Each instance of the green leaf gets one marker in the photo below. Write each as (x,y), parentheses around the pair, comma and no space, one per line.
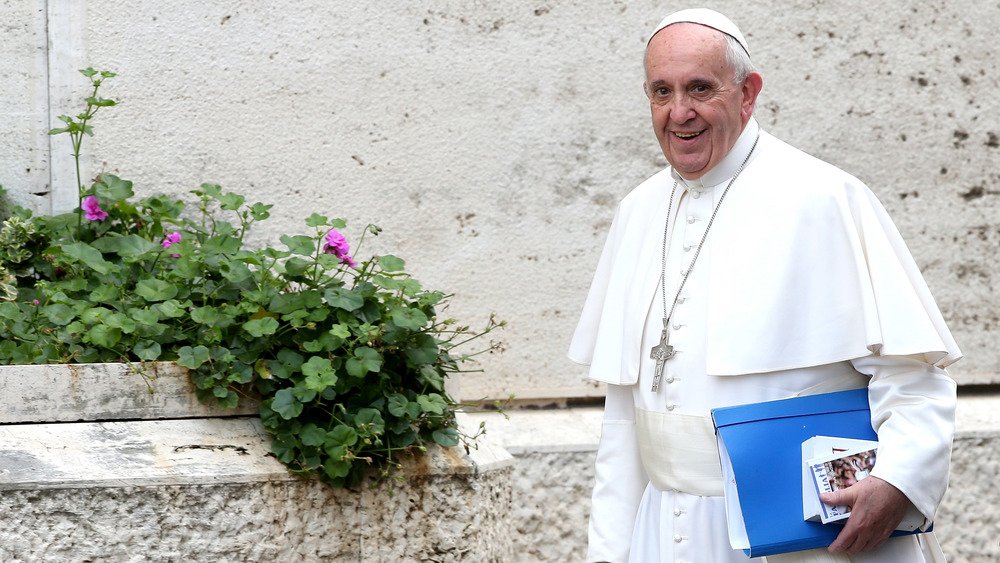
(397,404)
(145,316)
(347,299)
(315,220)
(112,188)
(433,403)
(192,357)
(155,290)
(221,244)
(89,255)
(235,272)
(425,351)
(283,448)
(119,320)
(99,102)
(104,292)
(408,317)
(320,382)
(171,309)
(447,437)
(205,315)
(340,331)
(390,263)
(303,393)
(103,335)
(336,469)
(300,244)
(365,360)
(259,211)
(341,435)
(285,404)
(58,314)
(369,421)
(317,365)
(231,201)
(261,327)
(132,247)
(9,310)
(147,350)
(296,266)
(431,376)
(312,435)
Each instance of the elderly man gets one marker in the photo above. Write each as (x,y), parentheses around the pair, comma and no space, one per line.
(749,271)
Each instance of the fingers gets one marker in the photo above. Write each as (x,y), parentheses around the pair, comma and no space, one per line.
(876,509)
(842,497)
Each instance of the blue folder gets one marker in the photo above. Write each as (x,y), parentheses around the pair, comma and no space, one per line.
(764,445)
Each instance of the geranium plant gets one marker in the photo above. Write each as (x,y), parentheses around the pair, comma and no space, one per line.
(349,355)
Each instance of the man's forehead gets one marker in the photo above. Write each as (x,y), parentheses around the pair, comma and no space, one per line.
(687,53)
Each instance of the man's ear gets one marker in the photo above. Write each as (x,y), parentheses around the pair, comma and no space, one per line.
(645,88)
(752,86)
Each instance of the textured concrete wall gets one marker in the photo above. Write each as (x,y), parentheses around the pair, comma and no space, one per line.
(422,520)
(492,140)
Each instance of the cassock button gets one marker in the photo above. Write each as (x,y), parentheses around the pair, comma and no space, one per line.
(678,512)
(678,538)
(670,379)
(672,406)
(684,272)
(677,326)
(688,247)
(690,219)
(695,194)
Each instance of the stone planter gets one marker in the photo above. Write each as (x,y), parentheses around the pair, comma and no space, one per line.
(94,467)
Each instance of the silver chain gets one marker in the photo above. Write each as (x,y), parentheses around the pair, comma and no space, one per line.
(666,230)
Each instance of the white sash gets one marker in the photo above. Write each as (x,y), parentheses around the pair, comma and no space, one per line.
(679,452)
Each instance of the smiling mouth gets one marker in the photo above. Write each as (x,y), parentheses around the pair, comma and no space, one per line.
(687,135)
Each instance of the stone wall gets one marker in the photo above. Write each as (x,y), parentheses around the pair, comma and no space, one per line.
(493,140)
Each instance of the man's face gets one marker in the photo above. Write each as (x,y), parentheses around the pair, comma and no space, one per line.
(698,110)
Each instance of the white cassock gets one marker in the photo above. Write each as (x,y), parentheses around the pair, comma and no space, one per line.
(802,279)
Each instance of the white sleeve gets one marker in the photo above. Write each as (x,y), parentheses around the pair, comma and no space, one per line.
(620,480)
(913,412)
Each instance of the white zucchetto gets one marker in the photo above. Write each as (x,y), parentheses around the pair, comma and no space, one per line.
(706,17)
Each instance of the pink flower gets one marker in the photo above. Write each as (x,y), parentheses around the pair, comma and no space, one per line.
(336,244)
(34,302)
(172,238)
(93,210)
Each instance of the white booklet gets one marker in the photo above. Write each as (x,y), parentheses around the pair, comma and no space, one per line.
(830,464)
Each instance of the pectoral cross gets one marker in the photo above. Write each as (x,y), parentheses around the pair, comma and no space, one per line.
(661,353)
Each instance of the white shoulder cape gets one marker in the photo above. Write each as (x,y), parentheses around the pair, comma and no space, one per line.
(806,269)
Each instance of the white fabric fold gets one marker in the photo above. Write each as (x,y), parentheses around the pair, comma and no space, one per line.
(620,481)
(913,412)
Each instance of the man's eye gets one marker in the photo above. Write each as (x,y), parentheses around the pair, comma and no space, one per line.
(661,92)
(700,89)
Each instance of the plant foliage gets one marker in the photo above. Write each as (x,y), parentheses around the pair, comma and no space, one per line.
(349,358)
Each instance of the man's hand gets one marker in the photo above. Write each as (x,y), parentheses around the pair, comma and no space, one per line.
(876,509)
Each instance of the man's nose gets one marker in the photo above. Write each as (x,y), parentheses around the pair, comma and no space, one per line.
(681,109)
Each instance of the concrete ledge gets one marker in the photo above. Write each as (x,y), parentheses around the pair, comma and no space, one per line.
(71,392)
